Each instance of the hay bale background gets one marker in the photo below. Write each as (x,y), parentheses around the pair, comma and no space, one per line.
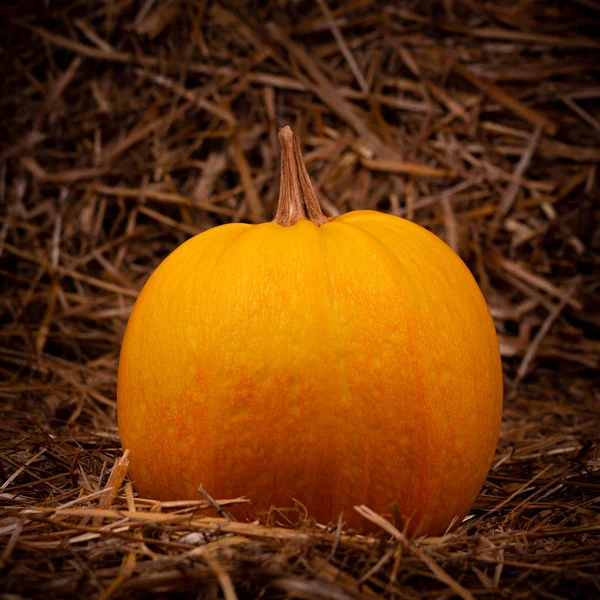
(130,126)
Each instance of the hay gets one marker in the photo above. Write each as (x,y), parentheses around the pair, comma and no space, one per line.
(129,126)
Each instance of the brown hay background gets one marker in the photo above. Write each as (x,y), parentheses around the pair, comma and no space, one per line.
(129,126)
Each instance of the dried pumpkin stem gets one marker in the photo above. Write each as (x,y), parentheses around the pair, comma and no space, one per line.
(297,197)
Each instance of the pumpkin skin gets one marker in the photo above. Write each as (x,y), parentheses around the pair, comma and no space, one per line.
(351,363)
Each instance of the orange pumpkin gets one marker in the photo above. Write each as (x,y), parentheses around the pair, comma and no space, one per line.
(337,362)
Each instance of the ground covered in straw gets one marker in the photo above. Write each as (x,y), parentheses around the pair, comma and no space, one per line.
(129,126)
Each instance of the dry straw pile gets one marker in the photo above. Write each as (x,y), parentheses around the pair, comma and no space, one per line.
(129,126)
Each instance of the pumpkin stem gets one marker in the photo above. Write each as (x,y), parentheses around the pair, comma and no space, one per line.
(297,197)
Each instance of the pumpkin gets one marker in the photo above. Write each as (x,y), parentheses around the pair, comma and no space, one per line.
(341,361)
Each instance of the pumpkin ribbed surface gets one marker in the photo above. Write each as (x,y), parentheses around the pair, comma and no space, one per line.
(351,363)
